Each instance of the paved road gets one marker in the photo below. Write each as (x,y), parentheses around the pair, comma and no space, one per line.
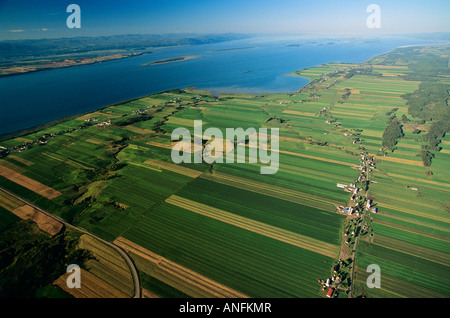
(134,274)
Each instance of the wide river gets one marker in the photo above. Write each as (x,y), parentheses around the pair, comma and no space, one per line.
(254,65)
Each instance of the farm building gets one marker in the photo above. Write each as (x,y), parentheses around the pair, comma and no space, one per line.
(330,292)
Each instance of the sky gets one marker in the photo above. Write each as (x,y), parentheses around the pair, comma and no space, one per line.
(25,19)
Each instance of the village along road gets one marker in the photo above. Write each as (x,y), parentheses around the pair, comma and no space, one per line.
(134,274)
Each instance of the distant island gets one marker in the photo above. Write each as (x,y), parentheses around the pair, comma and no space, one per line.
(172,60)
(23,67)
(232,49)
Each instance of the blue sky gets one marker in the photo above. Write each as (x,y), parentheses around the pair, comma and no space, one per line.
(21,19)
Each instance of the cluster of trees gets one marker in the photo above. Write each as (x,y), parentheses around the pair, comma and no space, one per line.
(345,96)
(368,71)
(392,133)
(429,101)
(31,259)
(134,119)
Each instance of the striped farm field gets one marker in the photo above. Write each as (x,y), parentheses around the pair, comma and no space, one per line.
(108,266)
(272,190)
(245,261)
(28,183)
(179,275)
(303,219)
(412,269)
(91,287)
(392,287)
(295,239)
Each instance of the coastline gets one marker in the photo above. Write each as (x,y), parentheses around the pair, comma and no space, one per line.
(131,55)
(36,128)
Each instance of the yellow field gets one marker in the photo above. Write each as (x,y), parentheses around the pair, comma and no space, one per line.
(90,115)
(108,265)
(28,183)
(279,234)
(293,112)
(174,168)
(148,294)
(160,145)
(91,287)
(396,67)
(182,121)
(139,130)
(400,160)
(44,222)
(316,158)
(92,141)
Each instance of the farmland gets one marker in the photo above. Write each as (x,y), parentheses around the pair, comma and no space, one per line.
(224,229)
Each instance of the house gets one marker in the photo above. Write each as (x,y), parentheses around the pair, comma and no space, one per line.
(330,292)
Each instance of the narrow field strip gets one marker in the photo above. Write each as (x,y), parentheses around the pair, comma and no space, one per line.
(412,220)
(160,145)
(143,166)
(273,191)
(174,168)
(315,158)
(176,271)
(400,160)
(441,184)
(413,212)
(96,142)
(412,230)
(148,294)
(276,233)
(412,249)
(22,160)
(68,161)
(138,130)
(293,112)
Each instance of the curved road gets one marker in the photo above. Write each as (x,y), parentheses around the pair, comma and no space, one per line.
(134,274)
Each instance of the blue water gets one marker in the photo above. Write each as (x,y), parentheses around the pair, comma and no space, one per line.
(36,98)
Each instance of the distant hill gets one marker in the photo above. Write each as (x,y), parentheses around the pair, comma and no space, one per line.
(48,47)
